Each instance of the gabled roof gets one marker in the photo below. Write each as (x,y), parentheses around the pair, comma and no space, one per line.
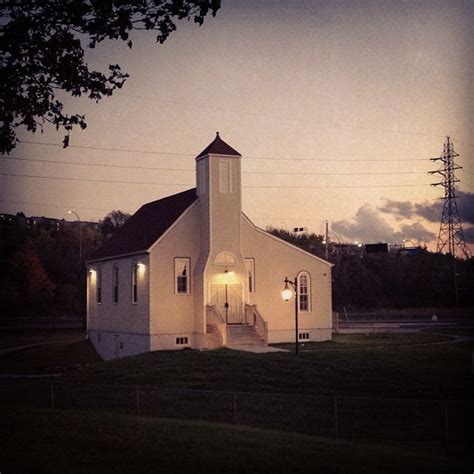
(218,147)
(147,225)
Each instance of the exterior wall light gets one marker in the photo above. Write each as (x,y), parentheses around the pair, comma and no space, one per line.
(287,293)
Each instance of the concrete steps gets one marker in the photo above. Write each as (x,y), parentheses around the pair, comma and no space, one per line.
(243,335)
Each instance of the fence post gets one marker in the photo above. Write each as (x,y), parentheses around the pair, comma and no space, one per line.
(137,398)
(235,409)
(336,424)
(52,395)
(446,426)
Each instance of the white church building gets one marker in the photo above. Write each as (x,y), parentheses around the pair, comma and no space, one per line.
(191,270)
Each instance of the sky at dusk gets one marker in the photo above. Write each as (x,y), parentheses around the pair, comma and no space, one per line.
(336,108)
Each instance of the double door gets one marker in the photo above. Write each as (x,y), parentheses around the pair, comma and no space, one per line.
(228,300)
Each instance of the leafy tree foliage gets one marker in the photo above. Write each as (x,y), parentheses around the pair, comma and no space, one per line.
(112,222)
(312,243)
(42,51)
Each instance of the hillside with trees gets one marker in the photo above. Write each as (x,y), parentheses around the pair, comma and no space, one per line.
(42,264)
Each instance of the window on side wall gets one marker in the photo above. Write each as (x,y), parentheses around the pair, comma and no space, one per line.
(250,267)
(134,282)
(99,286)
(115,283)
(304,292)
(182,272)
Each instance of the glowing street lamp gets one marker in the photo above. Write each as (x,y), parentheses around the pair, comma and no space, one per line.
(287,294)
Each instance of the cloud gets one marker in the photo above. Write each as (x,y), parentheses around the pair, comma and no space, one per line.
(369,226)
(399,209)
(465,203)
(431,211)
(469,234)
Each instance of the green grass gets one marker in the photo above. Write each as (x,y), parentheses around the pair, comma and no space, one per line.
(408,371)
(46,359)
(469,332)
(15,339)
(367,340)
(47,441)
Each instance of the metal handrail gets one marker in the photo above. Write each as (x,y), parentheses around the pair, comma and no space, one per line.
(260,324)
(215,318)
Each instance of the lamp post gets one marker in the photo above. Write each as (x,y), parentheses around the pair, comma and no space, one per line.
(80,233)
(286,294)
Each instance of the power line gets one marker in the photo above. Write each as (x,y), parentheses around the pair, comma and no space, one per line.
(43,204)
(78,163)
(340,186)
(189,184)
(38,204)
(92,180)
(246,157)
(95,164)
(99,148)
(280,117)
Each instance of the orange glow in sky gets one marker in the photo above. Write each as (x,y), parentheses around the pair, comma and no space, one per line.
(336,108)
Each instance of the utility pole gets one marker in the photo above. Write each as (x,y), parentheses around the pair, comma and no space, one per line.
(451,235)
(326,253)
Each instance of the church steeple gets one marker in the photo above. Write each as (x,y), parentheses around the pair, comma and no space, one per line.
(219,184)
(218,147)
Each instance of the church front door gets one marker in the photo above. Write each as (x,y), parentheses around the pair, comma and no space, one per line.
(228,300)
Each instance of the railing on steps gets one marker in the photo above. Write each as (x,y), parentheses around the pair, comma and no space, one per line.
(253,317)
(214,318)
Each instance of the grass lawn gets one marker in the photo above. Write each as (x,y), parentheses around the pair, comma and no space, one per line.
(15,339)
(452,331)
(354,368)
(367,340)
(55,441)
(51,358)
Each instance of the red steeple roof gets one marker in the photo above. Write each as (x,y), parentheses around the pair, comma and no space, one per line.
(218,147)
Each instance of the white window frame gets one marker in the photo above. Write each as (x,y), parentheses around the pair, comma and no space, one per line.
(134,286)
(225,258)
(187,262)
(304,304)
(250,268)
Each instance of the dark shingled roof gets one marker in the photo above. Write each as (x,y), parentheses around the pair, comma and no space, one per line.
(218,147)
(147,225)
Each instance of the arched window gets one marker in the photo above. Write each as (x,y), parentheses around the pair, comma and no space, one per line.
(304,292)
(225,258)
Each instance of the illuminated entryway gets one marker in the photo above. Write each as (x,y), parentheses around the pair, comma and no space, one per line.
(227,298)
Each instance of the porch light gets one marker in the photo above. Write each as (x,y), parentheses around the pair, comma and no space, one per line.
(228,276)
(286,294)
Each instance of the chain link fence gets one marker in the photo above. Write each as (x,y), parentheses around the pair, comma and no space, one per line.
(420,423)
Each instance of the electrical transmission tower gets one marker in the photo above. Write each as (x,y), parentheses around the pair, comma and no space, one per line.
(451,235)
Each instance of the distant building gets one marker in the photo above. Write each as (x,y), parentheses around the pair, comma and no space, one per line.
(192,270)
(300,230)
(376,248)
(21,221)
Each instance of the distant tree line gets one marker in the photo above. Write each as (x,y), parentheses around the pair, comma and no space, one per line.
(41,272)
(391,280)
